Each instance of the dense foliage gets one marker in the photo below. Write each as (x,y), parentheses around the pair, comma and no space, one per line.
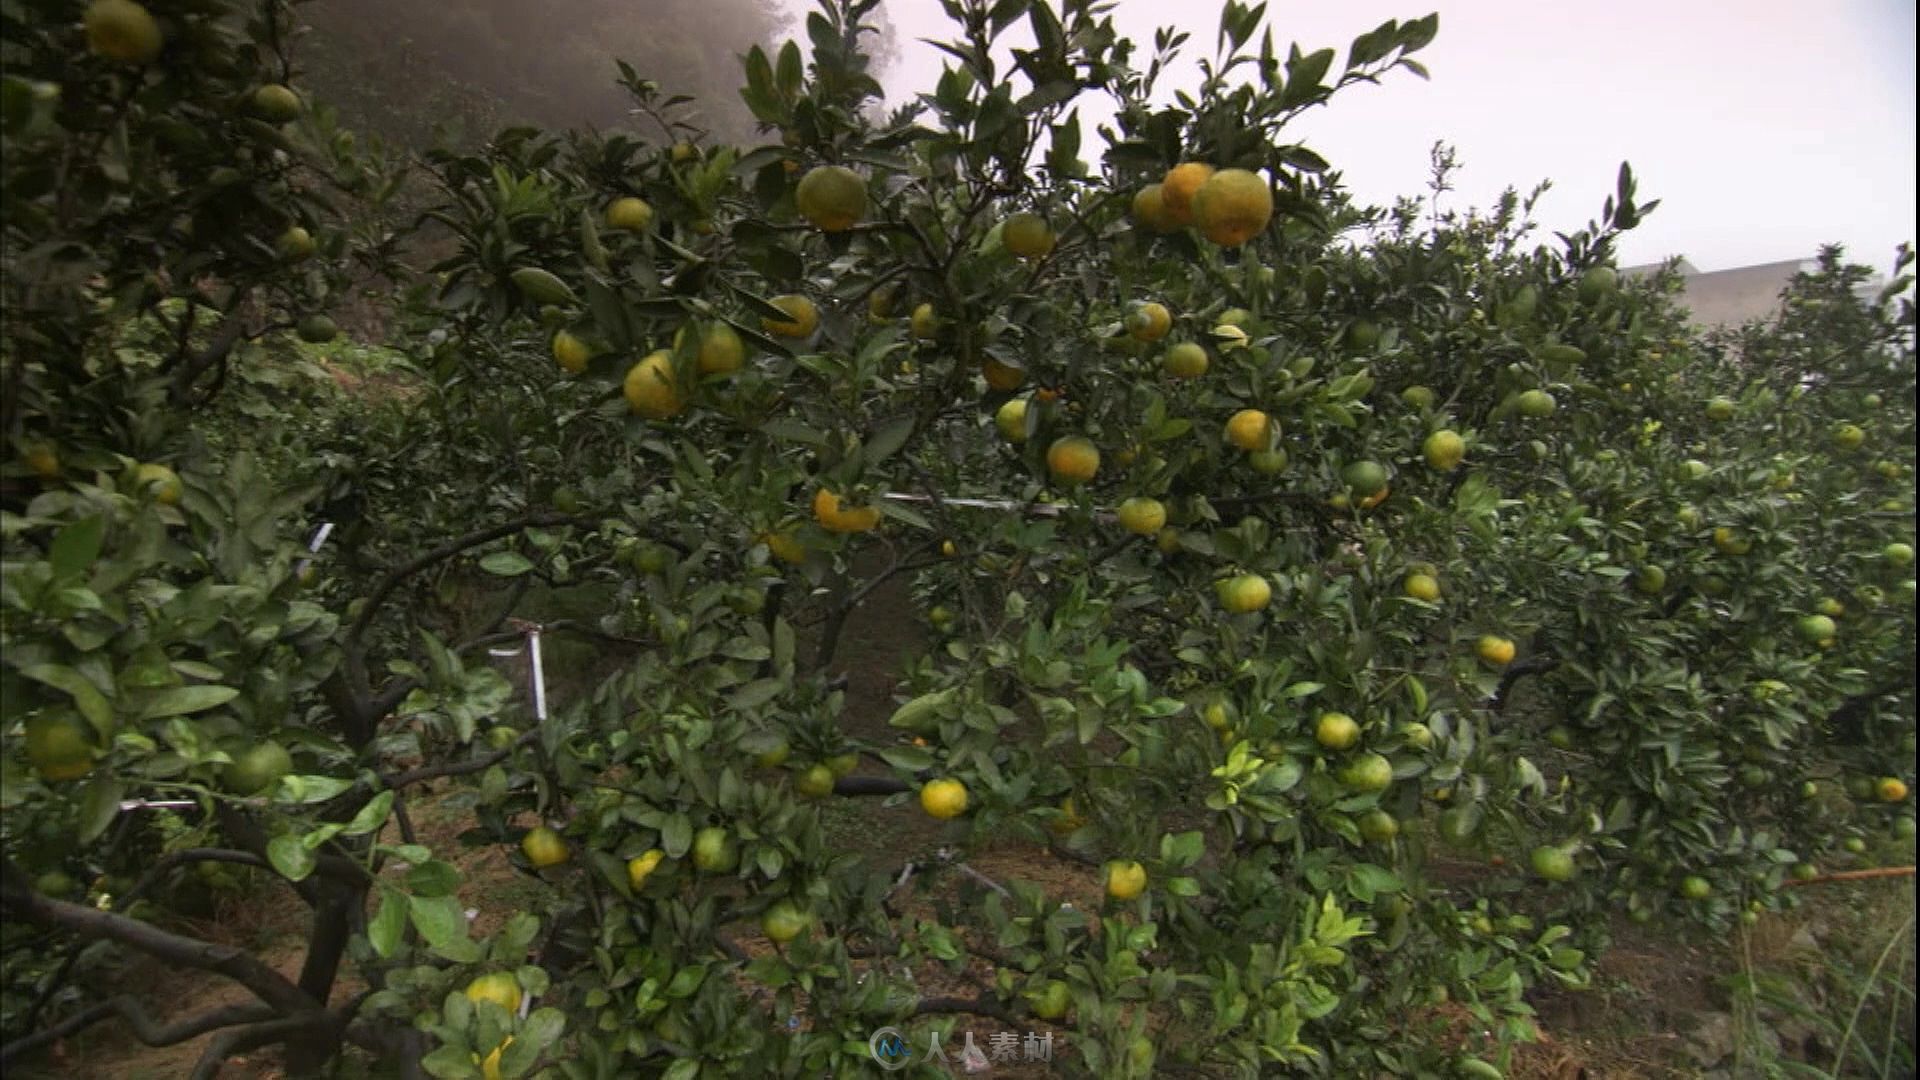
(1318,558)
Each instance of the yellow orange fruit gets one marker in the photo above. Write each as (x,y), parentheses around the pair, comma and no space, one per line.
(1245,593)
(944,798)
(1072,460)
(801,321)
(1150,210)
(122,30)
(1002,377)
(1232,207)
(1495,650)
(159,482)
(1187,360)
(832,197)
(1178,188)
(1126,879)
(571,352)
(1011,419)
(1027,235)
(834,515)
(1250,429)
(499,987)
(629,214)
(543,847)
(650,388)
(721,350)
(1149,321)
(1444,450)
(59,746)
(1142,516)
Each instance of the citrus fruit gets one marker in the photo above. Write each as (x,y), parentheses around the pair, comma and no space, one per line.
(1150,210)
(274,103)
(1730,541)
(1011,419)
(1495,650)
(1720,409)
(1050,1002)
(1250,429)
(570,352)
(1072,460)
(1417,734)
(1598,283)
(258,768)
(1804,871)
(1336,731)
(1444,450)
(1422,587)
(1650,581)
(1898,554)
(1814,629)
(1168,541)
(1268,462)
(1027,235)
(832,197)
(1232,207)
(642,866)
(1695,887)
(1178,188)
(1186,360)
(1536,404)
(843,764)
(684,152)
(1244,593)
(122,30)
(773,756)
(499,987)
(815,783)
(925,322)
(783,922)
(544,847)
(1365,478)
(60,746)
(44,461)
(1126,879)
(1854,845)
(880,304)
(801,321)
(295,244)
(1378,827)
(159,482)
(1849,436)
(944,798)
(1001,377)
(713,850)
(721,351)
(650,389)
(1142,516)
(1830,607)
(1890,789)
(1552,863)
(500,736)
(836,516)
(785,546)
(629,214)
(1420,397)
(1368,773)
(1149,321)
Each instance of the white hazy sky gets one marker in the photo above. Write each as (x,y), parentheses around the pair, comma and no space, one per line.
(1765,127)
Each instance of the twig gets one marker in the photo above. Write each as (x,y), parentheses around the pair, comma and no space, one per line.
(144,1027)
(1856,875)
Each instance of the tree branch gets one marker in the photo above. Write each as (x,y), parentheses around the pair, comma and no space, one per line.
(144,1027)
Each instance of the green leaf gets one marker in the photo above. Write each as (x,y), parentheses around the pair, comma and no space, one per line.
(443,926)
(311,789)
(77,546)
(181,700)
(505,564)
(909,758)
(432,879)
(389,922)
(371,816)
(86,697)
(676,836)
(888,439)
(99,806)
(755,694)
(293,859)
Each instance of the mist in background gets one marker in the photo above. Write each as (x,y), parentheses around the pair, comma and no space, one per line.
(1766,129)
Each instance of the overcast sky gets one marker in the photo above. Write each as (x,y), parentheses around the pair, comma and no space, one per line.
(1765,127)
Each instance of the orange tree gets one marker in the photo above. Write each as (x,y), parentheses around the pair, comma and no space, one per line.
(1318,540)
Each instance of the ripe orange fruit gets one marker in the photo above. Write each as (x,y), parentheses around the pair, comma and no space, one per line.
(1336,731)
(122,30)
(60,746)
(571,352)
(1150,210)
(1072,460)
(1187,360)
(1890,789)
(1178,188)
(1011,419)
(1027,235)
(721,350)
(1444,450)
(1244,593)
(783,545)
(801,321)
(1149,321)
(1142,516)
(629,214)
(650,389)
(944,798)
(544,847)
(1232,207)
(1002,377)
(925,322)
(837,517)
(1495,650)
(1126,879)
(159,482)
(641,867)
(1422,587)
(832,197)
(1250,429)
